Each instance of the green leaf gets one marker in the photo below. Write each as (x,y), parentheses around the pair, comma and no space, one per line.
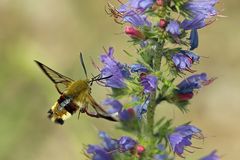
(182,105)
(129,54)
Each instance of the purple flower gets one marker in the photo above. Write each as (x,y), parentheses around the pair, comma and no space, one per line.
(139,68)
(160,157)
(116,105)
(203,7)
(187,86)
(93,148)
(110,146)
(98,152)
(200,11)
(211,156)
(140,5)
(194,58)
(141,109)
(126,114)
(126,143)
(193,39)
(144,43)
(161,147)
(181,137)
(193,82)
(133,12)
(197,22)
(136,19)
(136,111)
(181,61)
(108,143)
(173,27)
(118,71)
(184,60)
(149,83)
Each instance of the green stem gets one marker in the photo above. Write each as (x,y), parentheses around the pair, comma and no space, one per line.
(157,60)
(159,99)
(152,106)
(150,114)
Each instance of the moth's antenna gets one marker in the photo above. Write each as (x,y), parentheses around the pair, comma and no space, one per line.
(83,65)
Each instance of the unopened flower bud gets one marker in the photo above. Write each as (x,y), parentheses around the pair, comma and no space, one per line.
(133,32)
(185,97)
(162,23)
(142,76)
(131,112)
(140,149)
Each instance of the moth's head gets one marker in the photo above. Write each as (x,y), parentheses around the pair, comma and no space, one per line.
(98,79)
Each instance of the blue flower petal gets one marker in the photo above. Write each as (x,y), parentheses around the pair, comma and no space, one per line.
(193,39)
(116,70)
(116,105)
(173,27)
(138,68)
(211,156)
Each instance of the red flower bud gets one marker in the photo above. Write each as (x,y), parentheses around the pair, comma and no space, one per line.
(184,97)
(162,23)
(133,32)
(142,75)
(140,149)
(131,111)
(160,2)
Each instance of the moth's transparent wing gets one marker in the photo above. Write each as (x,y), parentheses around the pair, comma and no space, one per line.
(61,82)
(99,110)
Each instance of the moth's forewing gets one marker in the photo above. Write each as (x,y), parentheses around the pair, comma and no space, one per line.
(61,82)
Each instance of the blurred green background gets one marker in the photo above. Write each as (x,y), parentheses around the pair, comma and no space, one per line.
(54,32)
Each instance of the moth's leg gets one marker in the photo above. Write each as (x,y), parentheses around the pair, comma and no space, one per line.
(99,115)
(90,113)
(79,113)
(82,110)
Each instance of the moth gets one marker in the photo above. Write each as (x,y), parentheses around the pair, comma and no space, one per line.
(74,95)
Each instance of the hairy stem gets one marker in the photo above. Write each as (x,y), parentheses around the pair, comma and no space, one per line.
(153,103)
(150,113)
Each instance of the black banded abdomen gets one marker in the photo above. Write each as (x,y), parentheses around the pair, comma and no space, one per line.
(67,104)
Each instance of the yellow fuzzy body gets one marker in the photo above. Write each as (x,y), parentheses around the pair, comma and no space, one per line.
(78,91)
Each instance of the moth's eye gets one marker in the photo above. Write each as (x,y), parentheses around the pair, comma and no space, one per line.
(59,121)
